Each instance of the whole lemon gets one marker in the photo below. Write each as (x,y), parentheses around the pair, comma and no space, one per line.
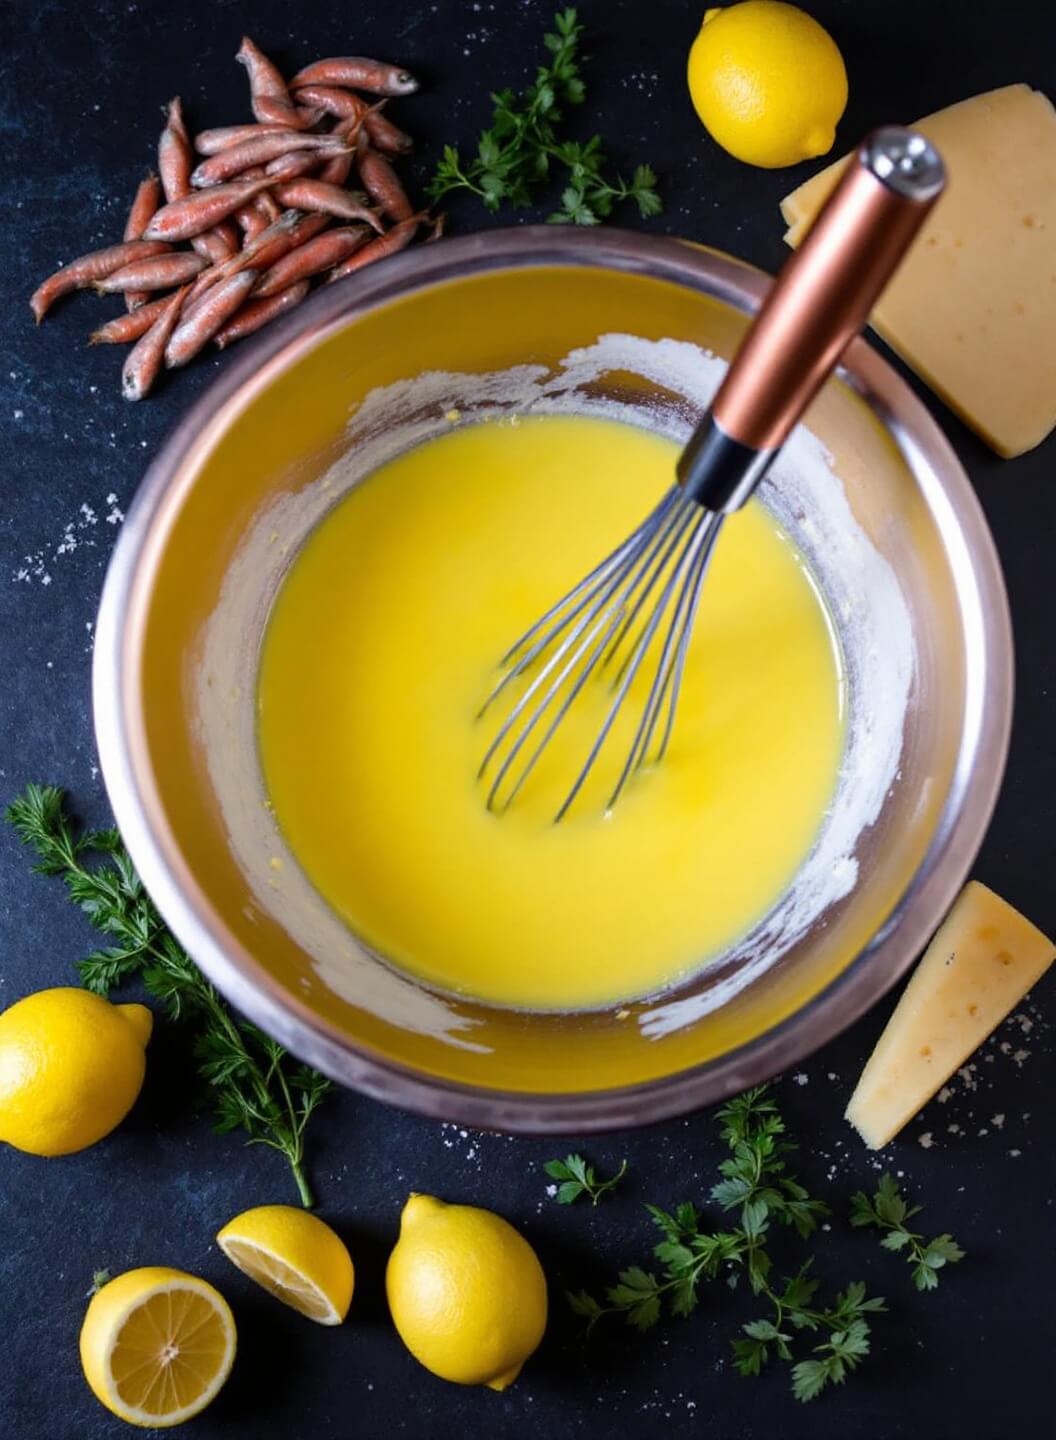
(71,1066)
(466,1292)
(768,82)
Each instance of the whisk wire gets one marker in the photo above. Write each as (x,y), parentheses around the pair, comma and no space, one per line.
(584,631)
(677,581)
(621,559)
(668,679)
(633,663)
(625,554)
(675,527)
(696,586)
(607,588)
(563,710)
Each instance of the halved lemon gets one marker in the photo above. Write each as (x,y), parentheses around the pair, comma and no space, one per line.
(157,1345)
(295,1256)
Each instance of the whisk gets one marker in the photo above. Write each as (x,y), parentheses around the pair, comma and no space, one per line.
(642,599)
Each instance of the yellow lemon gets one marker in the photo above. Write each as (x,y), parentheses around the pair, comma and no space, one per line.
(768,82)
(157,1345)
(466,1292)
(71,1066)
(294,1255)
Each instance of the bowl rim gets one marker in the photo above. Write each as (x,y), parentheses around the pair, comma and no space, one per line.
(231,967)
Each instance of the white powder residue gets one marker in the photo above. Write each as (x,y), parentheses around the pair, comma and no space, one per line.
(78,533)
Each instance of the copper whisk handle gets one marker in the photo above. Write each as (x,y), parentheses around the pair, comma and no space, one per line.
(817,305)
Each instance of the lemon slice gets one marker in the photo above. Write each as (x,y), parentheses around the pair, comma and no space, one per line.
(295,1256)
(157,1345)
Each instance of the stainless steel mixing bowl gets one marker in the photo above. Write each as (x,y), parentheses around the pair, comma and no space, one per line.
(274,423)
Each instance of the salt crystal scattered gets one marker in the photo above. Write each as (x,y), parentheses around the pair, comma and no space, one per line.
(927,1140)
(944,1094)
(800,1078)
(997,1121)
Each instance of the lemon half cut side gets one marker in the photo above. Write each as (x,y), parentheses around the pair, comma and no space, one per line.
(157,1345)
(296,1257)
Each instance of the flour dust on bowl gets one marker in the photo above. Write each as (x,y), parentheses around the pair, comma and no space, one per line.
(516,333)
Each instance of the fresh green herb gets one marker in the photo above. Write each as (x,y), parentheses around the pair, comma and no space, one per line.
(523,150)
(256,1085)
(888,1211)
(99,1279)
(755,1176)
(847,1340)
(578,1178)
(757,1185)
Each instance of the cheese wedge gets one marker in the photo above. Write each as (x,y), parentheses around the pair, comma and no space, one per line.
(979,966)
(973,308)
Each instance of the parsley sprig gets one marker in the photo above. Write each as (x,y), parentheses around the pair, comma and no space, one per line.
(888,1211)
(757,1185)
(578,1178)
(99,1279)
(256,1086)
(523,148)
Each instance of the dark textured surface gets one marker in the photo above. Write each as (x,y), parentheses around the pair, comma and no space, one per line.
(80,94)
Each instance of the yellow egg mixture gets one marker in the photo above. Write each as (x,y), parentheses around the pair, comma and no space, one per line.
(383,643)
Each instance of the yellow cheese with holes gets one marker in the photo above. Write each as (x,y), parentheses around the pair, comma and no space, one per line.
(979,966)
(973,308)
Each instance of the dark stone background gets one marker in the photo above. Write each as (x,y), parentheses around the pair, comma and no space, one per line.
(81,88)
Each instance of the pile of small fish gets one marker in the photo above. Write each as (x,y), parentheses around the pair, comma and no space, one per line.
(258,211)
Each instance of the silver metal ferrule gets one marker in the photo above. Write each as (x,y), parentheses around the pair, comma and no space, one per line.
(905,161)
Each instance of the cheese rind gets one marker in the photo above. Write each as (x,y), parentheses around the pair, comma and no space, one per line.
(981,963)
(973,307)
